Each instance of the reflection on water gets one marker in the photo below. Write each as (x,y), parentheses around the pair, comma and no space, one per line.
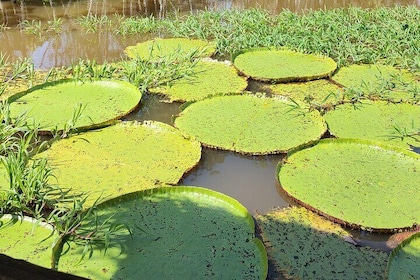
(249,179)
(14,11)
(66,48)
(70,45)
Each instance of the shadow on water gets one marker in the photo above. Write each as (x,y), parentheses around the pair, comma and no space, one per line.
(178,238)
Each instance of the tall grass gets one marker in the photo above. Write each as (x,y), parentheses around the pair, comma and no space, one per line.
(348,35)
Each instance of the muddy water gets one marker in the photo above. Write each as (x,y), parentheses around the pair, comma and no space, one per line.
(70,45)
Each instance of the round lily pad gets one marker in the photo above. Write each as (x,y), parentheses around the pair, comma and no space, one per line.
(303,245)
(158,48)
(53,105)
(283,65)
(26,239)
(359,183)
(320,92)
(249,124)
(210,78)
(396,124)
(378,81)
(404,260)
(122,158)
(176,233)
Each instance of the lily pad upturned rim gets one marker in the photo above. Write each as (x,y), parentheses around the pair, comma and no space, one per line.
(232,206)
(308,140)
(122,158)
(208,50)
(285,79)
(38,248)
(328,216)
(210,78)
(107,122)
(395,254)
(376,121)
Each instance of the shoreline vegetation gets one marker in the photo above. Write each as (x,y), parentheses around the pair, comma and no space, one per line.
(387,36)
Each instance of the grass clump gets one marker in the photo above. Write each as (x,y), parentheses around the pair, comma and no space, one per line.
(348,35)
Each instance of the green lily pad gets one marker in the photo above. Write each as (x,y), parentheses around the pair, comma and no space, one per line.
(122,158)
(396,124)
(320,92)
(158,48)
(359,183)
(283,65)
(404,260)
(26,239)
(52,105)
(378,81)
(177,233)
(302,249)
(249,124)
(210,78)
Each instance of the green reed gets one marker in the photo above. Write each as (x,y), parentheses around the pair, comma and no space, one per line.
(95,23)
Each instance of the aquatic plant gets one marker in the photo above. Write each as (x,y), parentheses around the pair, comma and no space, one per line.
(357,183)
(121,158)
(249,124)
(94,23)
(209,78)
(381,82)
(27,239)
(304,245)
(319,94)
(281,65)
(49,106)
(176,232)
(158,48)
(404,259)
(395,124)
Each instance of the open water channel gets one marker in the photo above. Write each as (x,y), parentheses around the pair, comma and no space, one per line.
(249,179)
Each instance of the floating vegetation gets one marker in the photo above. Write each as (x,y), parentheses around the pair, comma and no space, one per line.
(380,82)
(283,65)
(361,184)
(158,48)
(80,104)
(176,233)
(249,124)
(404,260)
(122,158)
(396,124)
(27,239)
(209,78)
(306,246)
(319,93)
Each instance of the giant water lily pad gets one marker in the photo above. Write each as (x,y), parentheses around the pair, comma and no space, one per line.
(305,246)
(397,124)
(53,105)
(319,92)
(122,158)
(177,233)
(283,65)
(249,124)
(358,183)
(381,81)
(210,78)
(158,48)
(26,239)
(404,260)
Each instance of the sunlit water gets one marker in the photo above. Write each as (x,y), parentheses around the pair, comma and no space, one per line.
(249,179)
